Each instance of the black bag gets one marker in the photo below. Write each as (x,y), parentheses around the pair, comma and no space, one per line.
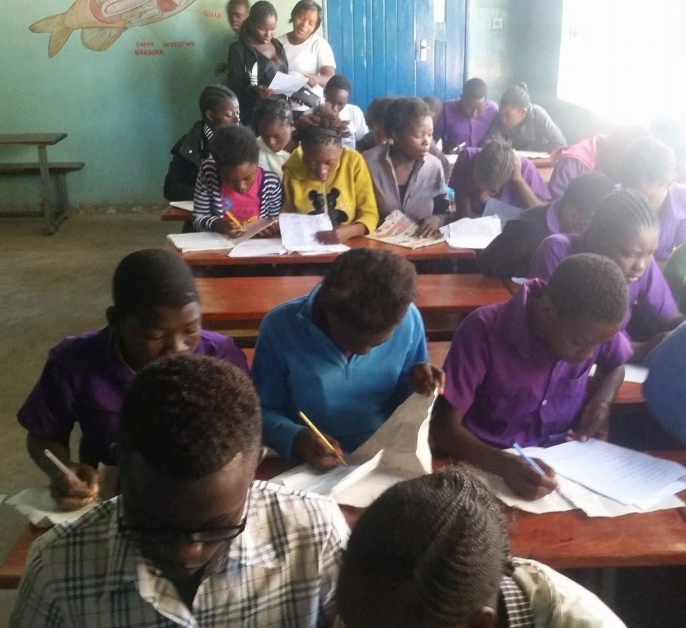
(305,96)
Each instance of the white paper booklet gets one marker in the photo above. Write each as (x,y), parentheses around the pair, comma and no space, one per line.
(212,241)
(287,84)
(298,233)
(186,205)
(398,451)
(258,247)
(401,230)
(39,506)
(472,233)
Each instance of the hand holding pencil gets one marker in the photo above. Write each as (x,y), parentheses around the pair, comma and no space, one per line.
(322,451)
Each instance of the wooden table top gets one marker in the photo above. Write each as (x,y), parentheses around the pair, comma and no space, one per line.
(250,298)
(31,139)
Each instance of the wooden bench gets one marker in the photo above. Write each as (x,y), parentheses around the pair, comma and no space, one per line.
(175,214)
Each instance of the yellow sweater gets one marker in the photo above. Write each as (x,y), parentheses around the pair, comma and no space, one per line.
(351,180)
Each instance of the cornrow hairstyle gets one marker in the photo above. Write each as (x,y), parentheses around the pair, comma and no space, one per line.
(307,5)
(234,145)
(517,97)
(377,111)
(259,12)
(588,287)
(405,113)
(320,127)
(149,279)
(475,89)
(647,161)
(495,163)
(271,110)
(429,552)
(188,416)
(368,289)
(216,97)
(338,81)
(585,192)
(618,217)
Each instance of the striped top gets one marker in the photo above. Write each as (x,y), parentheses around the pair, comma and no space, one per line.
(208,205)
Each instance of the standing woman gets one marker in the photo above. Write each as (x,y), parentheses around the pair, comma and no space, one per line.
(255,58)
(308,52)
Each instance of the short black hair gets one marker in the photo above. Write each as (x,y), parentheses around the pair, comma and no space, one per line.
(320,127)
(271,110)
(475,89)
(259,12)
(338,81)
(214,97)
(586,191)
(433,550)
(233,145)
(434,104)
(188,416)
(495,163)
(404,113)
(149,279)
(307,5)
(588,287)
(647,161)
(369,289)
(516,96)
(377,111)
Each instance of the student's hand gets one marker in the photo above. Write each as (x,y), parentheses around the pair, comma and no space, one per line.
(517,172)
(311,79)
(311,449)
(525,480)
(227,228)
(429,227)
(425,378)
(327,237)
(272,231)
(594,422)
(264,92)
(71,496)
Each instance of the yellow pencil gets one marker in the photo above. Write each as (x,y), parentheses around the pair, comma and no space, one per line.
(233,219)
(318,434)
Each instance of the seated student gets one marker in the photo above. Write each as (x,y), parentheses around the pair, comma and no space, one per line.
(466,121)
(509,255)
(218,106)
(193,540)
(377,112)
(649,166)
(231,181)
(434,551)
(625,229)
(675,274)
(600,153)
(672,133)
(495,172)
(346,355)
(274,122)
(524,125)
(404,175)
(550,334)
(155,313)
(323,166)
(336,95)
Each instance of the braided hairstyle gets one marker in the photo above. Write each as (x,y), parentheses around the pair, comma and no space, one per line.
(404,113)
(429,552)
(215,97)
(320,127)
(271,110)
(259,12)
(495,164)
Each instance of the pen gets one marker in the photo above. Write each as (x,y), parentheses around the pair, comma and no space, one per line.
(318,434)
(64,468)
(534,465)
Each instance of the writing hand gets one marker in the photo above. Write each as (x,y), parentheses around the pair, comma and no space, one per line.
(525,480)
(70,495)
(313,450)
(425,378)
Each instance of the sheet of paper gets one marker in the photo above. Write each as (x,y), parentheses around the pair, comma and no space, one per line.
(505,212)
(472,233)
(201,241)
(298,233)
(627,476)
(362,493)
(287,84)
(532,154)
(258,247)
(635,373)
(401,230)
(452,158)
(520,281)
(187,205)
(39,506)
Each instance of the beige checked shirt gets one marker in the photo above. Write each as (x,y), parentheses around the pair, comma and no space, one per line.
(280,572)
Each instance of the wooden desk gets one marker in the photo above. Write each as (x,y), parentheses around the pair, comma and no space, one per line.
(12,567)
(545,167)
(175,214)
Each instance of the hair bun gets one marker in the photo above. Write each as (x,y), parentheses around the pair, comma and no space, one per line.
(523,85)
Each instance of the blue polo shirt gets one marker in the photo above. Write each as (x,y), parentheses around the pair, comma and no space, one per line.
(297,366)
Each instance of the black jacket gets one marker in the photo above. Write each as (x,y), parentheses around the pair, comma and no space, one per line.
(188,152)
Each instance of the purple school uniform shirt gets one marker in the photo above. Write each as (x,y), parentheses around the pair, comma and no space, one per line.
(462,181)
(84,381)
(649,294)
(672,222)
(454,126)
(508,384)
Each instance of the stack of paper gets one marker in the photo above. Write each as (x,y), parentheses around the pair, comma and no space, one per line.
(401,230)
(39,506)
(299,231)
(472,233)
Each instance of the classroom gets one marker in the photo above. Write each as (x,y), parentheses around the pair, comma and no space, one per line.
(309,306)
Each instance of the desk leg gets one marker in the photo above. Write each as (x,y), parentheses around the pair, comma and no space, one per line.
(46,191)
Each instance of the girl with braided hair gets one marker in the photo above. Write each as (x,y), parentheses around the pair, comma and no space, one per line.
(322,176)
(495,172)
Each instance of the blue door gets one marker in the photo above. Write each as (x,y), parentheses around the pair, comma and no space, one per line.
(399,47)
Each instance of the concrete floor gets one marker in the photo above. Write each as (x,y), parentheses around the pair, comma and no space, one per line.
(51,287)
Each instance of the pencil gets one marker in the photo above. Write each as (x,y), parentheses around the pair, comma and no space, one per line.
(233,219)
(317,433)
(64,468)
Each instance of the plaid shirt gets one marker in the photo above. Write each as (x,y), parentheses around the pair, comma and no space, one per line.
(517,604)
(280,572)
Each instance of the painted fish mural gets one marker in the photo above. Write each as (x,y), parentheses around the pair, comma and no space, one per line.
(103,21)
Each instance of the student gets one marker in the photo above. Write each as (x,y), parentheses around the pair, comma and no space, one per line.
(218,106)
(466,121)
(346,355)
(377,113)
(672,133)
(434,551)
(322,166)
(274,122)
(231,180)
(675,274)
(509,255)
(601,153)
(524,125)
(435,106)
(495,172)
(625,229)
(255,58)
(550,335)
(192,540)
(404,175)
(336,95)
(237,12)
(649,167)
(155,313)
